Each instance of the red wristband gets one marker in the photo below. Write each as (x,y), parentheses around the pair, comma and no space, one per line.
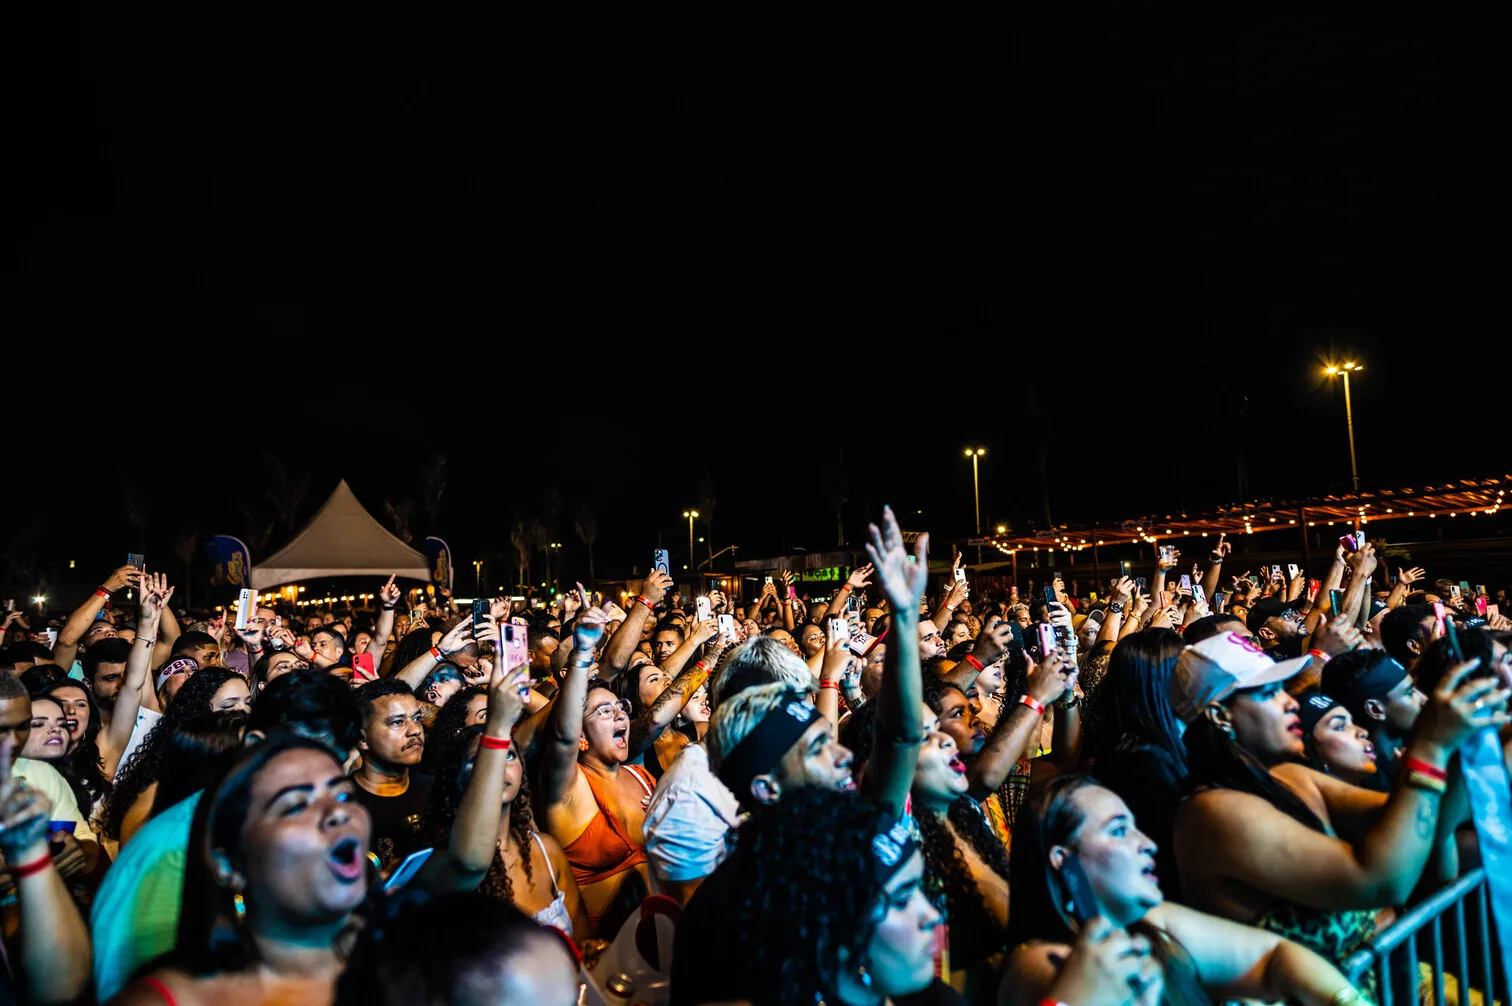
(827,683)
(702,666)
(642,599)
(974,662)
(102,592)
(494,743)
(1032,703)
(1418,765)
(1319,655)
(436,654)
(35,866)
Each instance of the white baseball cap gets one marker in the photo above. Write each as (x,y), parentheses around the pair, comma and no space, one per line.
(1221,665)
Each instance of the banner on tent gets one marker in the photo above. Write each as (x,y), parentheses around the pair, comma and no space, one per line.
(230,559)
(439,559)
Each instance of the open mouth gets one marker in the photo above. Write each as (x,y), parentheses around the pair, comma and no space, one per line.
(1370,751)
(53,742)
(1294,727)
(1149,871)
(847,783)
(957,765)
(621,735)
(347,860)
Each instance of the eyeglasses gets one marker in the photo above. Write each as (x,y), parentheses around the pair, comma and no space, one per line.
(295,665)
(608,710)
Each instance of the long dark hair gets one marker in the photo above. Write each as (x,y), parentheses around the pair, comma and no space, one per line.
(809,897)
(453,773)
(1131,708)
(63,763)
(426,949)
(449,724)
(1216,759)
(1035,899)
(209,939)
(198,752)
(146,765)
(975,935)
(85,759)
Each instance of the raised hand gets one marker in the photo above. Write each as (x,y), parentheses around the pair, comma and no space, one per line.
(903,581)
(499,607)
(655,586)
(1221,550)
(992,643)
(1123,590)
(388,594)
(589,629)
(1462,705)
(508,690)
(1168,563)
(24,811)
(572,602)
(1048,679)
(457,636)
(154,595)
(126,576)
(1407,577)
(859,577)
(836,652)
(1337,635)
(1362,562)
(956,594)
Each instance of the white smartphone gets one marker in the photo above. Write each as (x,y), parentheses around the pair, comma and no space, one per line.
(705,610)
(407,869)
(52,638)
(244,603)
(727,627)
(769,581)
(840,628)
(1276,572)
(1291,570)
(960,575)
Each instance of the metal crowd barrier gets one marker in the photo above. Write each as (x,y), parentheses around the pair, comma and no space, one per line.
(1436,928)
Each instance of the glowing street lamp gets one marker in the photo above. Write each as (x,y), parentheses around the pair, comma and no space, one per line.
(975,453)
(690,514)
(1346,369)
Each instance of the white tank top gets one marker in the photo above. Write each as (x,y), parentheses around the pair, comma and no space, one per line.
(554,914)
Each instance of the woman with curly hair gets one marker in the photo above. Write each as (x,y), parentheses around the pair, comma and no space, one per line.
(464,709)
(212,689)
(480,808)
(963,859)
(831,908)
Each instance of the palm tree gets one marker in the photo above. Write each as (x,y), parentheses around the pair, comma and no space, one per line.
(587,531)
(519,537)
(185,544)
(836,489)
(399,515)
(541,538)
(284,494)
(433,476)
(707,501)
(138,509)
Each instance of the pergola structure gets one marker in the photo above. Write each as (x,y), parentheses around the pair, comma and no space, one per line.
(1465,498)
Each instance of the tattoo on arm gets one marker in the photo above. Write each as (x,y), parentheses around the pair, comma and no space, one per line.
(684,684)
(1427,819)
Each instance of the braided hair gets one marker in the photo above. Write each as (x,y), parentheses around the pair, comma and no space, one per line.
(454,769)
(975,934)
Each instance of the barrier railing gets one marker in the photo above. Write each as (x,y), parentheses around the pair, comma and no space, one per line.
(1394,953)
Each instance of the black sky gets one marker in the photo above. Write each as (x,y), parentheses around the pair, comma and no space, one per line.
(618,251)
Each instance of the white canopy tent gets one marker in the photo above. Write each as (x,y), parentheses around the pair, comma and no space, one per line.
(342,539)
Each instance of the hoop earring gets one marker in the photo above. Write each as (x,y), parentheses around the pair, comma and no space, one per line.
(372,857)
(240,904)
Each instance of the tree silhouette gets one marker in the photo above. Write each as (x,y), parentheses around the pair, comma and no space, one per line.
(433,477)
(185,544)
(519,537)
(286,495)
(400,514)
(586,526)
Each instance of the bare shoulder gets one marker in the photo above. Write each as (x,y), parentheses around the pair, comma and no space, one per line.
(1032,969)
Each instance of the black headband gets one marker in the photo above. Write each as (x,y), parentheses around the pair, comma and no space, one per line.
(891,850)
(762,749)
(1373,684)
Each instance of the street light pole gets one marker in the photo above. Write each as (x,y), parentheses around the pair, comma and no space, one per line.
(976,492)
(1346,370)
(690,514)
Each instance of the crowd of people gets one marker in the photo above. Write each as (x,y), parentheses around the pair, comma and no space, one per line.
(1191,787)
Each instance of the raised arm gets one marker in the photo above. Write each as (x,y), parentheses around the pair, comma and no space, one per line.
(564,726)
(388,600)
(1268,850)
(137,686)
(55,953)
(859,577)
(899,730)
(1405,579)
(1331,581)
(628,636)
(1214,573)
(456,638)
(788,603)
(660,713)
(951,599)
(475,833)
(168,632)
(1017,733)
(1112,623)
(989,649)
(86,614)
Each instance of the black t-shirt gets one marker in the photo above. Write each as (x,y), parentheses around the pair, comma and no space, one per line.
(396,819)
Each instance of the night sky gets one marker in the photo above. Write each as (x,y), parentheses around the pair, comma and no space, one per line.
(620,253)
